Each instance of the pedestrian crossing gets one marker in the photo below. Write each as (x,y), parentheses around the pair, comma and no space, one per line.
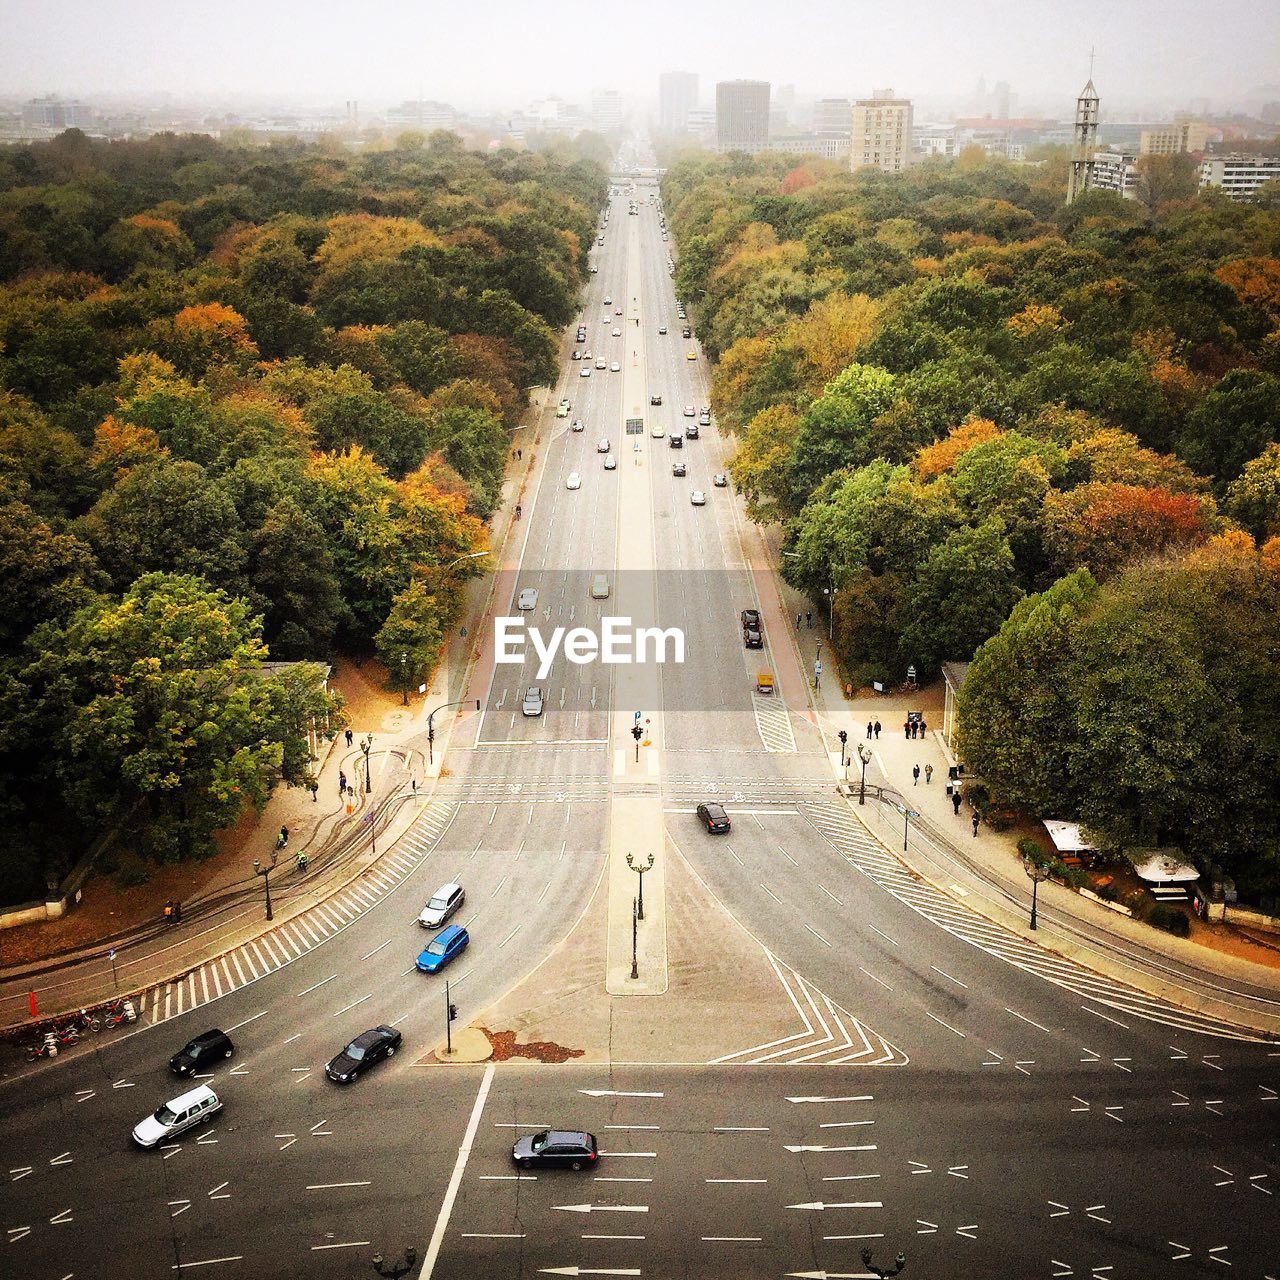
(843,831)
(773,721)
(294,938)
(832,1036)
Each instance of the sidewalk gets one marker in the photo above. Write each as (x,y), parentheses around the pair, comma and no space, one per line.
(67,963)
(996,884)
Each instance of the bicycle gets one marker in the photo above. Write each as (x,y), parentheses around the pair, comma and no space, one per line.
(46,1048)
(89,1021)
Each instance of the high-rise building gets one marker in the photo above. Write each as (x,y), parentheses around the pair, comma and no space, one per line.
(421,114)
(677,96)
(833,115)
(606,110)
(1239,177)
(1115,171)
(742,115)
(1086,139)
(1001,100)
(56,114)
(1186,135)
(881,132)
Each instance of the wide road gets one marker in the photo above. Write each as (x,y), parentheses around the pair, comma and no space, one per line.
(1038,1120)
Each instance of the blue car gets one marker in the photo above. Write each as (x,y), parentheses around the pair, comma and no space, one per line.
(447,945)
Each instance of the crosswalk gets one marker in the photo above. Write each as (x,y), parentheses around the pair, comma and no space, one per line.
(831,1037)
(773,721)
(842,830)
(292,939)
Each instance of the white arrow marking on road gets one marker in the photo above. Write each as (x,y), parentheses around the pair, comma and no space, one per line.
(64,1158)
(862,1097)
(589,1271)
(123,1084)
(1062,1212)
(1177,1257)
(957,1171)
(868,1147)
(843,1204)
(924,1228)
(1065,1272)
(964,1231)
(240,1070)
(18,1233)
(602,1208)
(83,1095)
(22,1171)
(618,1093)
(63,1216)
(1268,1093)
(832,1275)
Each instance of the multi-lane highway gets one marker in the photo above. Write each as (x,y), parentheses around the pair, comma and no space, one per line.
(1026,1116)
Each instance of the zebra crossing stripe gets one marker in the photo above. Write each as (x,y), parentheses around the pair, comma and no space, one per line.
(234,957)
(217,981)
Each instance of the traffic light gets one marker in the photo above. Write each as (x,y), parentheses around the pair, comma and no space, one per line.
(637,732)
(843,736)
(453,1012)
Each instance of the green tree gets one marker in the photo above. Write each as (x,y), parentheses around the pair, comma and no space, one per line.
(408,643)
(1253,497)
(1232,424)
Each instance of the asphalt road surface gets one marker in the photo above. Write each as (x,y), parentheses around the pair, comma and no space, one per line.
(1032,1119)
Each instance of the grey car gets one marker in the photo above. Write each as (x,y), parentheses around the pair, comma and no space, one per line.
(444,902)
(533,701)
(556,1149)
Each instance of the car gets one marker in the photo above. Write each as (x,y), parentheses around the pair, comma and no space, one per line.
(615,367)
(603,446)
(585,371)
(556,1149)
(443,949)
(678,469)
(565,403)
(198,1106)
(690,355)
(617,311)
(751,638)
(617,333)
(582,333)
(574,481)
(655,399)
(686,332)
(662,328)
(575,354)
(577,425)
(441,905)
(720,480)
(602,364)
(610,463)
(532,702)
(704,418)
(691,431)
(713,817)
(657,431)
(562,411)
(528,599)
(204,1049)
(600,587)
(751,618)
(698,498)
(586,355)
(676,440)
(689,411)
(594,269)
(365,1051)
(608,301)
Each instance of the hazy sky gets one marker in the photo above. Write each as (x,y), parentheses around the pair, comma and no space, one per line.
(504,52)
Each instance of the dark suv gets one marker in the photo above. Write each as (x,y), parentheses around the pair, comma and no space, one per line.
(713,817)
(556,1149)
(201,1051)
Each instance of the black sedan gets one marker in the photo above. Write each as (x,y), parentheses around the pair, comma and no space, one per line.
(368,1048)
(556,1149)
(751,638)
(713,817)
(751,618)
(205,1048)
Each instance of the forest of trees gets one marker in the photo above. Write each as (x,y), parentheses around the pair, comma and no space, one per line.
(1047,436)
(253,402)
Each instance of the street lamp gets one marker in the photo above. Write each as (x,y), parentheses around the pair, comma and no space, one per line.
(1038,871)
(907,814)
(864,758)
(640,872)
(431,727)
(265,873)
(365,743)
(473,555)
(635,962)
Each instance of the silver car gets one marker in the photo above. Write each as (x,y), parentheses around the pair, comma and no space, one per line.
(528,598)
(532,704)
(444,902)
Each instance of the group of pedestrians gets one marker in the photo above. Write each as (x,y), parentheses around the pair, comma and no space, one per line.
(914,728)
(873,728)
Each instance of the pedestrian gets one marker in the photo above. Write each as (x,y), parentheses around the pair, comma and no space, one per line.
(415,786)
(928,774)
(315,792)
(976,820)
(350,737)
(906,728)
(283,842)
(177,910)
(955,801)
(799,619)
(868,728)
(877,728)
(168,912)
(519,454)
(342,783)
(513,455)
(914,729)
(924,728)
(915,776)
(808,618)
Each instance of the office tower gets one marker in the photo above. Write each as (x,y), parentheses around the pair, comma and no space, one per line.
(677,96)
(742,115)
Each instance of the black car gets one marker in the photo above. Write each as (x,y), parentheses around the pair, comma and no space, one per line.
(713,817)
(691,432)
(679,469)
(367,1048)
(201,1051)
(655,399)
(556,1149)
(751,618)
(686,332)
(752,638)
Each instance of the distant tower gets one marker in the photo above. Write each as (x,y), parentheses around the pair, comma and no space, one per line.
(1086,141)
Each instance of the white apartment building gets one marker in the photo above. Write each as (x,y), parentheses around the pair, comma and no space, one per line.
(1115,171)
(1239,177)
(881,132)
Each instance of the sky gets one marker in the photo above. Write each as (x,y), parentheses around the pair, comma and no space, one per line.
(504,53)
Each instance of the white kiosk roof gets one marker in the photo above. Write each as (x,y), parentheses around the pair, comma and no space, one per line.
(1066,836)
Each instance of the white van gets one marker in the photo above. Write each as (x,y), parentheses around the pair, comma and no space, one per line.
(600,587)
(195,1107)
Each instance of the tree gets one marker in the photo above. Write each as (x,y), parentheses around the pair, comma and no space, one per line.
(1162,179)
(1253,497)
(156,714)
(1232,424)
(421,355)
(960,597)
(410,640)
(1016,716)
(758,464)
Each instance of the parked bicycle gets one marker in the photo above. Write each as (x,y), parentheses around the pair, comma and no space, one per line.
(88,1020)
(45,1048)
